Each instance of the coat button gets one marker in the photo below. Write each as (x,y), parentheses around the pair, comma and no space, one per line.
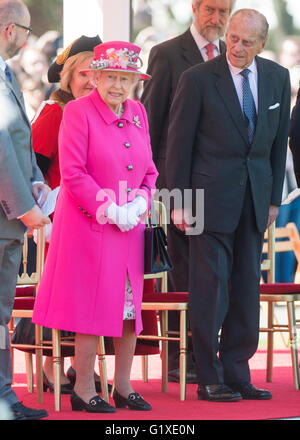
(121,124)
(127,145)
(130,167)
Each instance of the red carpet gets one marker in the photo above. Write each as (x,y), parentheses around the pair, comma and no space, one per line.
(285,402)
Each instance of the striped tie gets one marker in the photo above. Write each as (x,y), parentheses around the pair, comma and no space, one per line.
(210,50)
(249,108)
(8,73)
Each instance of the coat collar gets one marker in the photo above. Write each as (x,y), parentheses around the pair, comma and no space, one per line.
(107,114)
(190,50)
(228,93)
(13,86)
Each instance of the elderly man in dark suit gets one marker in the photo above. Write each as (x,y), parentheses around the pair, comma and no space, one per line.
(21,184)
(167,61)
(228,135)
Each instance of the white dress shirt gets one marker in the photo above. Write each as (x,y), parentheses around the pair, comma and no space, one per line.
(2,64)
(238,80)
(201,43)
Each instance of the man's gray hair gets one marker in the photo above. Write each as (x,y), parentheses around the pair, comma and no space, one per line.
(255,15)
(197,3)
(11,11)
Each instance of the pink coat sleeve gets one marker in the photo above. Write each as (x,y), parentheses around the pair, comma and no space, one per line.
(73,150)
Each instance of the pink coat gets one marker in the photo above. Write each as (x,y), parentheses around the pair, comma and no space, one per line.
(83,283)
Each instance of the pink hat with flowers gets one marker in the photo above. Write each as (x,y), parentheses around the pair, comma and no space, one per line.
(118,56)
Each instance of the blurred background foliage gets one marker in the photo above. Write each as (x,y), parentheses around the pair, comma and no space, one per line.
(45,15)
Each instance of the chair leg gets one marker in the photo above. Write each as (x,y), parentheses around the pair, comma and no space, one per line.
(39,364)
(293,342)
(29,372)
(145,368)
(56,349)
(270,347)
(164,356)
(102,368)
(182,355)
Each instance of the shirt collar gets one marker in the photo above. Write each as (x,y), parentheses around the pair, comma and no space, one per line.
(201,41)
(2,64)
(236,70)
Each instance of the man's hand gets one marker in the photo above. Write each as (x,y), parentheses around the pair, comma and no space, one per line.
(40,192)
(34,219)
(273,213)
(181,218)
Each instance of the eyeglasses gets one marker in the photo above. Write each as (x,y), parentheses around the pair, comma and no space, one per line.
(28,29)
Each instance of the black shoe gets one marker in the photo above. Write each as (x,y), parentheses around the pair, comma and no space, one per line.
(217,393)
(21,412)
(65,388)
(249,392)
(174,376)
(71,375)
(134,401)
(95,405)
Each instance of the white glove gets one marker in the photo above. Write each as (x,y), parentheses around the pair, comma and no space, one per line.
(120,216)
(138,206)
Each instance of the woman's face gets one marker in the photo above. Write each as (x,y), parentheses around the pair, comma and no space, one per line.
(80,84)
(114,87)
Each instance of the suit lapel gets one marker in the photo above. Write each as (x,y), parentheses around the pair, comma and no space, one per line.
(263,87)
(14,87)
(190,50)
(227,91)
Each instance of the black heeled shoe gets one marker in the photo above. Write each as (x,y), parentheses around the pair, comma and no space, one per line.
(65,388)
(95,405)
(71,375)
(134,401)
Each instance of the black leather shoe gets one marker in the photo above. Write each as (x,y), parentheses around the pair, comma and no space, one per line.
(71,375)
(174,376)
(249,392)
(134,401)
(217,393)
(21,412)
(65,388)
(95,405)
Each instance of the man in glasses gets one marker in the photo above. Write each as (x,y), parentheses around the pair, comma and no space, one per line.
(21,185)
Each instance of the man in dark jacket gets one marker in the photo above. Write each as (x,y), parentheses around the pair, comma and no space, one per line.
(167,61)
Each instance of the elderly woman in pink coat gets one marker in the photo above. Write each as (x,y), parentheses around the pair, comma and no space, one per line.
(92,283)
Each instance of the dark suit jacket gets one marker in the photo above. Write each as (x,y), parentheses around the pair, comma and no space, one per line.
(295,138)
(167,61)
(208,145)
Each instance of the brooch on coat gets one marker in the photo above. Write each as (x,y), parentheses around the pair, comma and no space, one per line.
(136,121)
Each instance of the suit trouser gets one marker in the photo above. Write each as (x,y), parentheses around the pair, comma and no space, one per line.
(10,257)
(225,276)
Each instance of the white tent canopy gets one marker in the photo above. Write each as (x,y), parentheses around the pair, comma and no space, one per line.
(110,19)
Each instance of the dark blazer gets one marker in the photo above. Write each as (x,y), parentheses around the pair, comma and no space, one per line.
(295,138)
(167,61)
(208,145)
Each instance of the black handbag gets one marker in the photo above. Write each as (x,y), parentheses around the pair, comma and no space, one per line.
(156,255)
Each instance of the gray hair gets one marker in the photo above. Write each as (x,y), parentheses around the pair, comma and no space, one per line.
(11,11)
(254,15)
(197,3)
